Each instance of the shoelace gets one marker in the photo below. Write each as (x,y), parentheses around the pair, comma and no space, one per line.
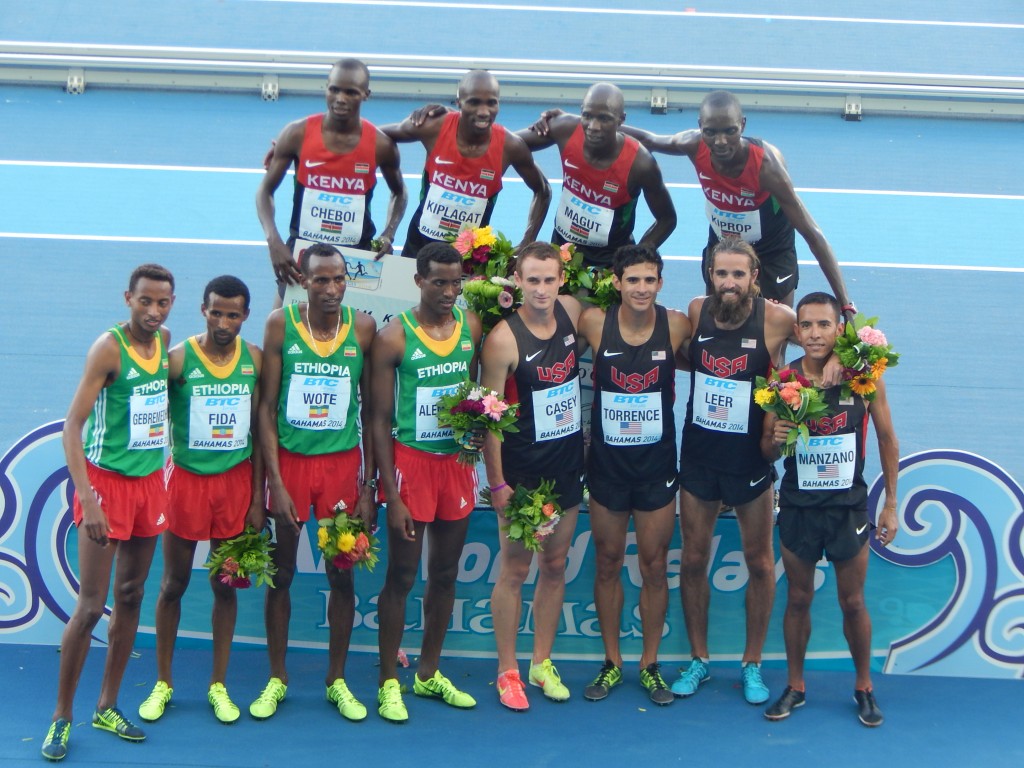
(657,681)
(752,674)
(60,730)
(604,674)
(515,683)
(114,717)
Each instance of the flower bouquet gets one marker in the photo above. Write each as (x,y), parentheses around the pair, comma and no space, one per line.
(246,558)
(791,397)
(532,515)
(344,540)
(491,298)
(865,354)
(472,408)
(485,253)
(589,284)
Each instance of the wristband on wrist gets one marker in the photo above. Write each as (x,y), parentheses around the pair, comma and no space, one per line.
(850,308)
(498,487)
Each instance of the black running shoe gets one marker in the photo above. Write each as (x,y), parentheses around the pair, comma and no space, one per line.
(868,711)
(787,702)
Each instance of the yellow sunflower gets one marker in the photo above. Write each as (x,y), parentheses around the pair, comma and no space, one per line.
(862,385)
(879,367)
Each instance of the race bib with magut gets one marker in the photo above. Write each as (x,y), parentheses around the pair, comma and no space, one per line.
(722,405)
(219,423)
(745,225)
(318,402)
(444,212)
(631,419)
(826,462)
(331,218)
(581,222)
(556,410)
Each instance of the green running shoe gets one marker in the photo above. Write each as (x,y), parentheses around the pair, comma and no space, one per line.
(55,745)
(153,707)
(266,703)
(111,719)
(440,687)
(609,676)
(390,704)
(654,683)
(224,708)
(546,677)
(348,705)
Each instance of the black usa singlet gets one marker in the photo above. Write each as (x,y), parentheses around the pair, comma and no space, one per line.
(723,424)
(829,470)
(633,429)
(546,384)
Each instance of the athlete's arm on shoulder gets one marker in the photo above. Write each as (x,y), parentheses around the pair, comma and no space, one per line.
(175,363)
(682,143)
(778,326)
(409,130)
(559,129)
(591,327)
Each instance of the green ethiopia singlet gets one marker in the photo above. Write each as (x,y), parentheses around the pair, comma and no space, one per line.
(127,429)
(318,408)
(429,369)
(210,410)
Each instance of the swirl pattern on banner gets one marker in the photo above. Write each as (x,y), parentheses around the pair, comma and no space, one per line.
(959,505)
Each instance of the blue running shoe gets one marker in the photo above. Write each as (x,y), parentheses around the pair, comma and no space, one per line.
(754,689)
(693,678)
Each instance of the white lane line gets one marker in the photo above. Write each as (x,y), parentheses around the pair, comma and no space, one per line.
(263,244)
(505,180)
(652,12)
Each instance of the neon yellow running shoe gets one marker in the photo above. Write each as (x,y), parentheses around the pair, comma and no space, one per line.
(153,707)
(224,708)
(546,677)
(390,704)
(55,745)
(266,703)
(348,705)
(440,687)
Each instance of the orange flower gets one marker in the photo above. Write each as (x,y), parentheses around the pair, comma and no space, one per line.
(566,252)
(791,397)
(862,384)
(548,509)
(879,367)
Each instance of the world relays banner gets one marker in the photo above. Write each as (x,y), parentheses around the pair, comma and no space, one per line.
(946,599)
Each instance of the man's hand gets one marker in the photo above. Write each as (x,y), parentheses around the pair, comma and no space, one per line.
(500,498)
(285,269)
(888,523)
(257,514)
(385,246)
(282,508)
(421,115)
(781,432)
(366,507)
(832,372)
(93,518)
(542,127)
(400,522)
